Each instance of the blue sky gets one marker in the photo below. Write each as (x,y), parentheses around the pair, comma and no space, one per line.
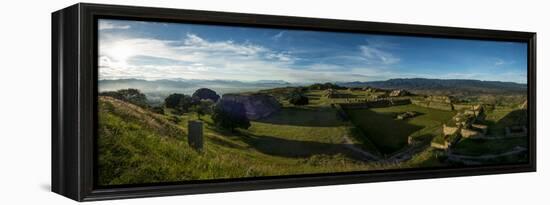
(151,50)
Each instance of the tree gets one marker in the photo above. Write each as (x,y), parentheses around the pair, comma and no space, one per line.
(298,99)
(206,94)
(178,102)
(130,95)
(230,115)
(173,100)
(203,107)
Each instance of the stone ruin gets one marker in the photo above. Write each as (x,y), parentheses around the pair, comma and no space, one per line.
(332,93)
(399,93)
(466,124)
(477,111)
(440,102)
(406,115)
(373,89)
(379,103)
(257,106)
(195,137)
(380,96)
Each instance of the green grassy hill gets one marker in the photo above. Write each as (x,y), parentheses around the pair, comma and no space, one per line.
(138,146)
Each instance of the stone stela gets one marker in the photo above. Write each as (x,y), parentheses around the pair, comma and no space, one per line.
(195,138)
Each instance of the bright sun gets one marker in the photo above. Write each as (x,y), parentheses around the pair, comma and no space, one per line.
(121,53)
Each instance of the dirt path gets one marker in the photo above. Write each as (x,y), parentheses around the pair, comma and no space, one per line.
(350,145)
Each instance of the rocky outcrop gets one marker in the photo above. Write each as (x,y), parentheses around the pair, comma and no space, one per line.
(257,106)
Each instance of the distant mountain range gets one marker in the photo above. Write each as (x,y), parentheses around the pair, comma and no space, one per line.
(445,86)
(157,90)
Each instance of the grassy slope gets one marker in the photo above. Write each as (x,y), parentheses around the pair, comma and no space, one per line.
(137,146)
(389,134)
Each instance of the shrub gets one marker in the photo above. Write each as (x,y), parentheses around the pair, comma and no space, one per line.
(203,107)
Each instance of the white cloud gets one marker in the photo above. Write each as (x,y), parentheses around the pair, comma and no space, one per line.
(277,36)
(105,25)
(194,57)
(374,55)
(198,57)
(500,62)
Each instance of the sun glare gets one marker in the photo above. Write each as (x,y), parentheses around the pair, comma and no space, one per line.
(121,53)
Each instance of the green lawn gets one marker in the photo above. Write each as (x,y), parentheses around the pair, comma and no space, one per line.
(389,134)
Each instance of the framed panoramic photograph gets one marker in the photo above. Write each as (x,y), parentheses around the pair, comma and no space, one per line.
(153,102)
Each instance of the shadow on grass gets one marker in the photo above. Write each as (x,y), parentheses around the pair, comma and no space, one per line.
(387,133)
(293,148)
(514,118)
(304,116)
(225,143)
(288,148)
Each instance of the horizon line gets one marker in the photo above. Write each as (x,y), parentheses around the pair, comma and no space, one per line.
(252,81)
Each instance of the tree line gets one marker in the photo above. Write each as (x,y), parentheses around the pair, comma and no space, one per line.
(225,114)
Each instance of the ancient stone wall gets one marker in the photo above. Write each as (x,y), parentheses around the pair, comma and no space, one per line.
(445,145)
(376,103)
(400,102)
(449,130)
(439,105)
(469,133)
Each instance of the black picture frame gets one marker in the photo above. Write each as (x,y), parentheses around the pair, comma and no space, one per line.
(74,97)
